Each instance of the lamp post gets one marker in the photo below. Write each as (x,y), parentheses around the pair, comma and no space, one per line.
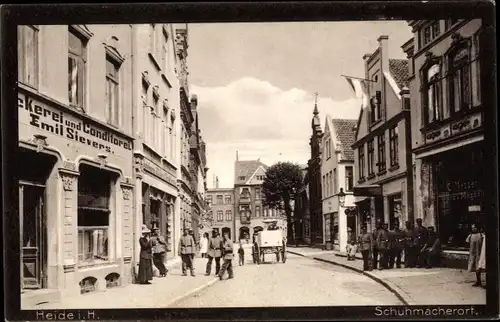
(341,195)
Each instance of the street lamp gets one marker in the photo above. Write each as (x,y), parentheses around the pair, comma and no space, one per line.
(341,197)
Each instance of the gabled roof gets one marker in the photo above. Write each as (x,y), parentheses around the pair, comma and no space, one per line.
(399,71)
(344,130)
(246,169)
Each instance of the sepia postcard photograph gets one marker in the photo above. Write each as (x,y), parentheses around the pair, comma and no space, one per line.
(180,161)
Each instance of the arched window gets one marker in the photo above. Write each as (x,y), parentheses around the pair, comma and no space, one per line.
(459,80)
(432,87)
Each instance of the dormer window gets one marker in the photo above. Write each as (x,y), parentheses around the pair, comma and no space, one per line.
(241,178)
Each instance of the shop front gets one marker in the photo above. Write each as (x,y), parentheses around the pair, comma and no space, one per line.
(158,196)
(458,194)
(75,189)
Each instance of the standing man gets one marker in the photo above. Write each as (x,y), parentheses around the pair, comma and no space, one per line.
(432,249)
(187,249)
(383,245)
(419,240)
(214,251)
(410,257)
(159,252)
(397,244)
(227,246)
(365,241)
(378,227)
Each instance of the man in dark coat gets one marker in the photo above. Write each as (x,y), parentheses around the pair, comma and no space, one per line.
(214,252)
(375,250)
(409,250)
(383,245)
(397,244)
(365,241)
(227,248)
(419,240)
(145,257)
(432,249)
(159,252)
(187,249)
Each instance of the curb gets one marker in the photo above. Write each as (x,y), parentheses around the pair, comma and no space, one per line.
(400,294)
(191,292)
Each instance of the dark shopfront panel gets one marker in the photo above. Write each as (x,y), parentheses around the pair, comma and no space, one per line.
(459,189)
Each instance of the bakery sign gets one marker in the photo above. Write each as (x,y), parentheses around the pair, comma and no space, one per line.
(46,118)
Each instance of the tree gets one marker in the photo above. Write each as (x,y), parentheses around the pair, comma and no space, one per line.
(282,182)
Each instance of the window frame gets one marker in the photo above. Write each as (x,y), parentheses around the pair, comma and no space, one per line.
(458,67)
(81,65)
(436,85)
(349,183)
(371,156)
(228,215)
(220,215)
(381,158)
(394,146)
(115,79)
(23,56)
(219,199)
(226,198)
(361,161)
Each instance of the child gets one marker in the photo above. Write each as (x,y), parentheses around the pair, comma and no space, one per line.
(352,249)
(241,255)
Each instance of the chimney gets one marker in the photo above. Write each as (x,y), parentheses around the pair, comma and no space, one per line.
(216,182)
(384,52)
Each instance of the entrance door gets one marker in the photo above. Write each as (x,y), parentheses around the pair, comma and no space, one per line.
(32,225)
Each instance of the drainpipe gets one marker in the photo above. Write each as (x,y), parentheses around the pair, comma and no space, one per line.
(135,210)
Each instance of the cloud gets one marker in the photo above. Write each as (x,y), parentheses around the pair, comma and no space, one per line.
(260,120)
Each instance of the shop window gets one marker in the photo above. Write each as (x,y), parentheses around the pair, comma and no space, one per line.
(459,195)
(88,284)
(459,79)
(370,157)
(113,280)
(77,60)
(94,187)
(381,152)
(27,55)
(395,210)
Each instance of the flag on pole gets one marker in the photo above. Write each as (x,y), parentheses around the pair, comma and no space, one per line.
(360,88)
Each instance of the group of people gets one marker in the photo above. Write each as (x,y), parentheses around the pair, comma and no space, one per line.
(154,247)
(421,247)
(384,248)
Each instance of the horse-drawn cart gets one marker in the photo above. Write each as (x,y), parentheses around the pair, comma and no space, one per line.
(269,241)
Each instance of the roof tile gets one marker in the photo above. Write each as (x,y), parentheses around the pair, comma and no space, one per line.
(346,136)
(246,169)
(399,71)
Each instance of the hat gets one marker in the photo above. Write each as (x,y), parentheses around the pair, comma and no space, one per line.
(419,220)
(145,229)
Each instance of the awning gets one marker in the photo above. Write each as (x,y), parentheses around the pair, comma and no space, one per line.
(367,190)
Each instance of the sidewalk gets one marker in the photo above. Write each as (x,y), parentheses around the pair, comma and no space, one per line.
(162,293)
(413,286)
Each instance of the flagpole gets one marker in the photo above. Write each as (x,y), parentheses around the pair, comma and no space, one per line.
(358,78)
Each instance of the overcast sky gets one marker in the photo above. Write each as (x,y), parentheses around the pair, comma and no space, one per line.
(255,84)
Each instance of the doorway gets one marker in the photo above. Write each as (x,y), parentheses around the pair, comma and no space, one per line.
(33,237)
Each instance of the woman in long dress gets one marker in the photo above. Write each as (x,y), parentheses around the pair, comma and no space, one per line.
(145,257)
(204,245)
(475,241)
(481,265)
